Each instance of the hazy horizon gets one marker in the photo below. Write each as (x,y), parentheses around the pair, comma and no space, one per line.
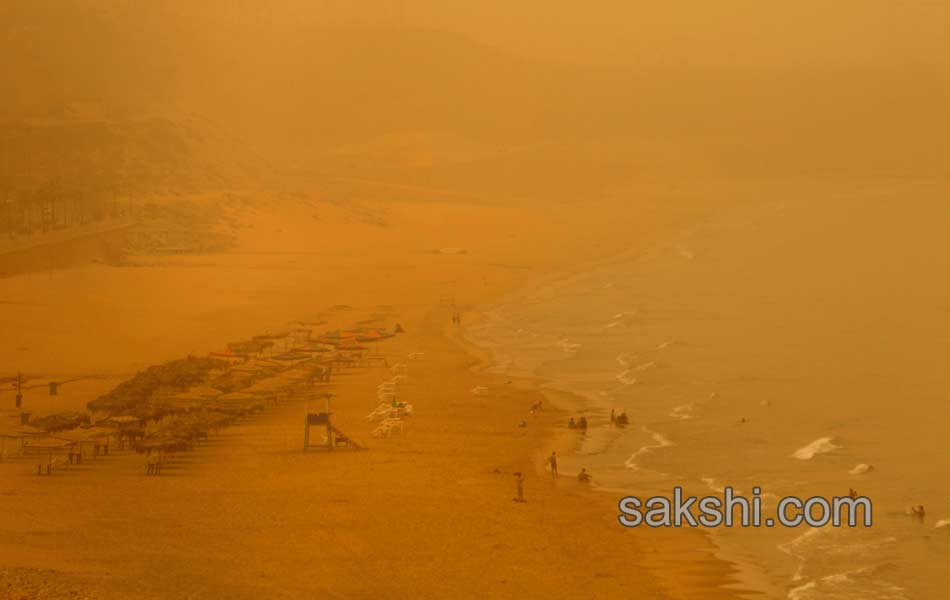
(253,91)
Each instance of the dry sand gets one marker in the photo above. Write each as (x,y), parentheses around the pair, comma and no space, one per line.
(249,515)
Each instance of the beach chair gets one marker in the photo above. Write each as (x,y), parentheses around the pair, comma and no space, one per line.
(374,360)
(388,427)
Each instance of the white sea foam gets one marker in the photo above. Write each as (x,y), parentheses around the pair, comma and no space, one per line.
(685,252)
(661,442)
(820,446)
(682,412)
(942,524)
(647,366)
(795,549)
(713,484)
(623,319)
(626,359)
(802,592)
(627,377)
(865,582)
(859,583)
(861,469)
(567,345)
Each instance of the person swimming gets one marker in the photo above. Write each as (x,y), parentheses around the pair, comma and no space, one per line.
(583,476)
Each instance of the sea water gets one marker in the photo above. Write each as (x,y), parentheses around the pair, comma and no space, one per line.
(800,346)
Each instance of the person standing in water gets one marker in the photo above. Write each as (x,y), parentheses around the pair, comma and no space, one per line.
(552,461)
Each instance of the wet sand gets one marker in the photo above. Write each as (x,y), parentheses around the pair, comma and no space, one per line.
(428,514)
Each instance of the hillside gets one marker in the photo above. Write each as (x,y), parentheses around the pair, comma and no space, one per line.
(171,96)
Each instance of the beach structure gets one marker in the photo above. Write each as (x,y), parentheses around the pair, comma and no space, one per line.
(19,390)
(333,436)
(127,429)
(388,427)
(14,433)
(173,406)
(50,452)
(391,411)
(91,442)
(351,349)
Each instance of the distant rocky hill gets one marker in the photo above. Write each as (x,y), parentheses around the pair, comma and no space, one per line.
(132,156)
(175,96)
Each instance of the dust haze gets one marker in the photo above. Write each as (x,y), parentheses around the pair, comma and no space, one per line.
(296,297)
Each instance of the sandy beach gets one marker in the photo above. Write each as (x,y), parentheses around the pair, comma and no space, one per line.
(249,514)
(630,307)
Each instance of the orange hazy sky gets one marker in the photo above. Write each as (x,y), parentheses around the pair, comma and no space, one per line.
(675,32)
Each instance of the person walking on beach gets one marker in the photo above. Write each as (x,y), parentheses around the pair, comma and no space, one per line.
(552,460)
(519,480)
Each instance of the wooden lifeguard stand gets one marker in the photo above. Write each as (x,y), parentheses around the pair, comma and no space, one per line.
(335,437)
(318,418)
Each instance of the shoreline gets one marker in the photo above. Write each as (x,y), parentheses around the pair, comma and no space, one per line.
(446,485)
(734,583)
(525,326)
(564,538)
(743,580)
